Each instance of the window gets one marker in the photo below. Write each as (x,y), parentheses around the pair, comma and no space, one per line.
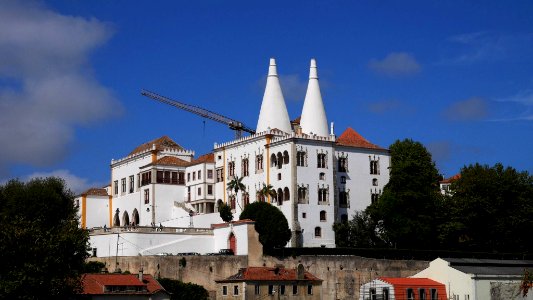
(257,289)
(295,289)
(322,176)
(344,218)
(375,182)
(132,183)
(232,202)
(309,289)
(219,175)
(322,196)
(138,180)
(343,179)
(146,196)
(199,175)
(224,290)
(434,294)
(386,294)
(285,157)
(123,184)
(209,174)
(318,232)
(210,189)
(279,176)
(323,216)
(193,176)
(302,195)
(410,294)
(188,177)
(231,169)
(116,187)
(286,194)
(188,193)
(259,163)
(77,203)
(373,295)
(282,289)
(235,290)
(374,196)
(301,159)
(199,191)
(273,160)
(321,160)
(164,177)
(94,251)
(270,289)
(422,294)
(304,215)
(343,199)
(244,166)
(280,160)
(245,199)
(374,167)
(342,162)
(146,178)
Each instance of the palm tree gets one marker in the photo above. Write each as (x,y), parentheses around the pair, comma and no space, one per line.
(236,185)
(266,191)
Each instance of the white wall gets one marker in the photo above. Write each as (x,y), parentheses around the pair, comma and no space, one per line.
(457,282)
(222,234)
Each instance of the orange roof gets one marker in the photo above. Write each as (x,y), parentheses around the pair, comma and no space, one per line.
(451,179)
(351,138)
(171,161)
(94,283)
(206,158)
(297,120)
(268,274)
(161,143)
(95,192)
(410,281)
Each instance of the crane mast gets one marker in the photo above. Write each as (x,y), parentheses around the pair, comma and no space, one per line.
(238,126)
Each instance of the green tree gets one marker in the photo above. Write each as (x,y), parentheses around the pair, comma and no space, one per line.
(491,209)
(183,291)
(407,211)
(236,185)
(270,223)
(266,191)
(225,212)
(43,249)
(360,232)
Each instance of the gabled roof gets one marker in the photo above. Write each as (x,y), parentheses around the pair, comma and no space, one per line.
(95,192)
(94,284)
(351,138)
(269,274)
(171,161)
(451,179)
(161,143)
(402,281)
(490,266)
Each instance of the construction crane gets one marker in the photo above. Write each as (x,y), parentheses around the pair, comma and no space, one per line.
(239,127)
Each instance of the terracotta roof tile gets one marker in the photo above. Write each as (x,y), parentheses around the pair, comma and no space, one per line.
(95,283)
(95,192)
(206,158)
(451,179)
(161,143)
(401,281)
(171,161)
(268,274)
(353,139)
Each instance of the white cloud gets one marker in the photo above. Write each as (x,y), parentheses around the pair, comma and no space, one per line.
(76,184)
(293,86)
(46,87)
(395,64)
(523,106)
(467,110)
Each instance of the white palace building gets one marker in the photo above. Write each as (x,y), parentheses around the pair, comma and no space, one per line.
(318,179)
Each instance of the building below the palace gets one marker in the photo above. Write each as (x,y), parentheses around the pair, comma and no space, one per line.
(317,177)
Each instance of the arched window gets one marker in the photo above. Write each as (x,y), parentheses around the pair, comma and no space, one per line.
(135,217)
(280,160)
(285,157)
(318,232)
(375,182)
(323,216)
(273,161)
(302,195)
(280,196)
(274,196)
(125,218)
(219,204)
(232,202)
(245,199)
(286,194)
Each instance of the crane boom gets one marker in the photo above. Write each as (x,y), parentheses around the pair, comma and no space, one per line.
(239,127)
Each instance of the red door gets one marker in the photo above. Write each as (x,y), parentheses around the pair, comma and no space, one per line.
(233,243)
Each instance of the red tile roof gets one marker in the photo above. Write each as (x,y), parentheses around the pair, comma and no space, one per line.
(353,139)
(297,120)
(410,281)
(402,284)
(94,283)
(161,143)
(451,179)
(171,161)
(206,158)
(95,192)
(269,274)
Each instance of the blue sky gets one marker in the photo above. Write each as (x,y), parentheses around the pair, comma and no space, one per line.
(456,76)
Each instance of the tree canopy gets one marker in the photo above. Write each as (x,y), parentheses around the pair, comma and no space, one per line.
(270,223)
(408,207)
(225,212)
(43,248)
(360,232)
(183,291)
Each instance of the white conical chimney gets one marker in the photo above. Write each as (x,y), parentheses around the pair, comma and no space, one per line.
(273,110)
(313,118)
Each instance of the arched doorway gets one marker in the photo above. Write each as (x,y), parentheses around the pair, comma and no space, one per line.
(232,241)
(135,217)
(125,218)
